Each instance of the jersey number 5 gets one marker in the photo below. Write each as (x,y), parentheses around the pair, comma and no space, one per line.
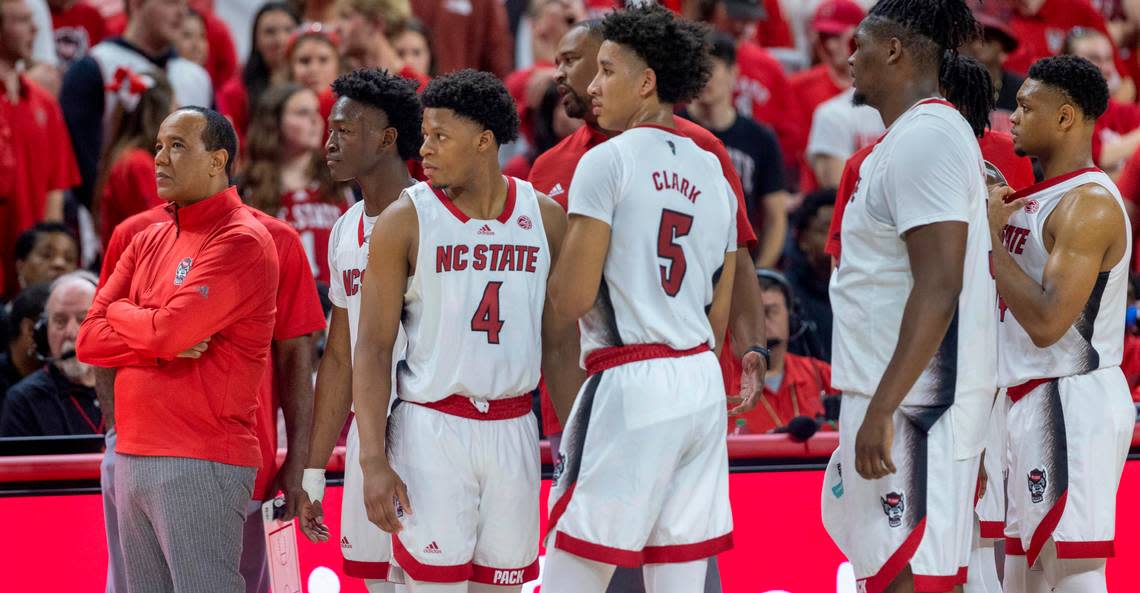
(674,225)
(486,318)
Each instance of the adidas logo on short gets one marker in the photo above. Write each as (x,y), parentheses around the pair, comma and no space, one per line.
(432,548)
(344,543)
(485,230)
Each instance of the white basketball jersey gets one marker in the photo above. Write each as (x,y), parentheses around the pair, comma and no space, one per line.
(473,308)
(672,218)
(1096,338)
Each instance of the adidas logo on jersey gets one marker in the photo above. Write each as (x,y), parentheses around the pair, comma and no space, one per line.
(432,548)
(556,190)
(485,230)
(344,543)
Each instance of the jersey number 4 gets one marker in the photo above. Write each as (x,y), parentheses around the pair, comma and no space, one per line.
(674,225)
(486,318)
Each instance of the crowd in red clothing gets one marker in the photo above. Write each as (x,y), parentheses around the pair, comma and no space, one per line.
(86,89)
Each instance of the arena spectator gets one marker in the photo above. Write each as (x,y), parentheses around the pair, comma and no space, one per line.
(363,26)
(549,124)
(808,269)
(762,89)
(467,34)
(1041,26)
(991,48)
(1129,185)
(266,66)
(59,399)
(832,29)
(147,44)
(221,56)
(547,21)
(839,128)
(18,357)
(191,42)
(314,63)
(793,385)
(126,177)
(1117,132)
(285,173)
(754,150)
(78,27)
(773,29)
(413,44)
(35,163)
(45,252)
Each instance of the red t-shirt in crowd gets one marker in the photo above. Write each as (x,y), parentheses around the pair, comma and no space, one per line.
(130,189)
(812,87)
(1043,34)
(996,147)
(210,273)
(1129,186)
(1118,120)
(77,29)
(313,219)
(517,84)
(518,167)
(1130,365)
(233,102)
(773,31)
(35,158)
(554,169)
(764,94)
(805,382)
(221,55)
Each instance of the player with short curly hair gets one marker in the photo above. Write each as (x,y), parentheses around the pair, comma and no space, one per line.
(1062,249)
(460,263)
(652,226)
(374,129)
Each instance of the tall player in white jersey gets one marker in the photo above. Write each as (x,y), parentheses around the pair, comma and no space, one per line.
(463,261)
(374,128)
(1061,254)
(642,474)
(914,338)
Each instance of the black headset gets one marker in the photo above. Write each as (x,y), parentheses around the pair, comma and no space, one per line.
(797,325)
(40,329)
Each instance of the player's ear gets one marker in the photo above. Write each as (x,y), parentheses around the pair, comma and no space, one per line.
(1066,116)
(486,141)
(648,83)
(894,50)
(388,138)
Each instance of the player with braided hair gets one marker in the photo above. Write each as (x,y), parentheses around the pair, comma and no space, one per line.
(914,338)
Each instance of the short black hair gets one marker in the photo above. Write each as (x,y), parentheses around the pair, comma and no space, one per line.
(674,48)
(812,204)
(26,242)
(29,304)
(723,47)
(592,26)
(395,96)
(218,134)
(479,97)
(1078,78)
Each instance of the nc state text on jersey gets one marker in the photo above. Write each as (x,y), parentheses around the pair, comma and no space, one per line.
(495,257)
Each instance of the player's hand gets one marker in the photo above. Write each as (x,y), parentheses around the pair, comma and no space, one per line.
(873,445)
(983,477)
(196,350)
(385,497)
(751,383)
(999,210)
(289,481)
(311,518)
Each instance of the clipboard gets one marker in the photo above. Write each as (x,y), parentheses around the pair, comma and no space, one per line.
(281,548)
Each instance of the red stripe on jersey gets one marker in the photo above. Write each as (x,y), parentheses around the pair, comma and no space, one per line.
(504,216)
(360,230)
(428,573)
(1102,549)
(1019,391)
(366,570)
(608,358)
(1046,184)
(497,409)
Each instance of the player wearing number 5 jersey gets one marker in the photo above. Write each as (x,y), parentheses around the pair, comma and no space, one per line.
(651,231)
(463,261)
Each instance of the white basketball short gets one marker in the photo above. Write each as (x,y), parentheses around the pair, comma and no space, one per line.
(642,471)
(474,490)
(1068,440)
(921,515)
(990,508)
(366,548)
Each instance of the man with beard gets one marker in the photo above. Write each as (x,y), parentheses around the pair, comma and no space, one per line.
(58,399)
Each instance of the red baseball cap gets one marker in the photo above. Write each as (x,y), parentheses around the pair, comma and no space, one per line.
(996,29)
(835,17)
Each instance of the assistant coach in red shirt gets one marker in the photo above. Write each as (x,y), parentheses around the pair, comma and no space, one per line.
(186,318)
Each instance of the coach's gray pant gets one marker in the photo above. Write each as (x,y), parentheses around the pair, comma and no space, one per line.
(180,523)
(116,575)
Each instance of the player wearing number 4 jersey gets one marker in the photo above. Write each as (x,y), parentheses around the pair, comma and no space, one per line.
(651,231)
(463,261)
(1061,254)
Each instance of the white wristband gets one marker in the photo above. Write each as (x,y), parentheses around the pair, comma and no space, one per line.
(313,483)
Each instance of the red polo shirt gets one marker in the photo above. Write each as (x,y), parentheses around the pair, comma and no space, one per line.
(1119,119)
(997,149)
(129,190)
(1129,186)
(211,273)
(553,170)
(1041,35)
(805,382)
(35,158)
(764,94)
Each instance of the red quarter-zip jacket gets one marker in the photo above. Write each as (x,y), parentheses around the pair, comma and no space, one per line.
(211,273)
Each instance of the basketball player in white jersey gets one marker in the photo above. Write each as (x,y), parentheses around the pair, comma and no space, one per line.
(463,261)
(1061,254)
(374,128)
(642,474)
(914,339)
